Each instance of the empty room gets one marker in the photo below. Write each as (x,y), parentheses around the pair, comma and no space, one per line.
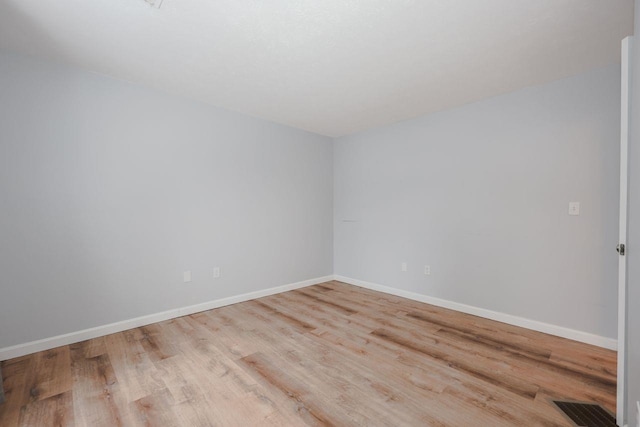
(315,213)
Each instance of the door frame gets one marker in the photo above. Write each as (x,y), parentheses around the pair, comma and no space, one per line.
(625,107)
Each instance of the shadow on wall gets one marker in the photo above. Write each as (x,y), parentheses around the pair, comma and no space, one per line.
(18,28)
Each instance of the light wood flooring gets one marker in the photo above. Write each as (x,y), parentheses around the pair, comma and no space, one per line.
(330,354)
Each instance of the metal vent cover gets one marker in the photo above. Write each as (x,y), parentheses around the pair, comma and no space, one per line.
(586,414)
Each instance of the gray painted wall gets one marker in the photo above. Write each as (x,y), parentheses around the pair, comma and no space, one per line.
(633,237)
(481,194)
(111,190)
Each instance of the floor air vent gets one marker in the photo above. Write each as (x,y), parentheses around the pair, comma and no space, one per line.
(586,414)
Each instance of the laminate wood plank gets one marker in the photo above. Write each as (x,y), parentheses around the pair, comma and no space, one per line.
(326,317)
(314,313)
(93,389)
(517,346)
(598,365)
(521,355)
(16,373)
(250,321)
(553,368)
(154,341)
(517,340)
(477,325)
(514,333)
(132,367)
(205,372)
(52,370)
(398,402)
(329,354)
(489,372)
(343,395)
(298,325)
(546,364)
(538,369)
(326,301)
(152,410)
(360,302)
(95,347)
(497,413)
(297,391)
(418,373)
(421,374)
(57,410)
(31,379)
(353,383)
(219,326)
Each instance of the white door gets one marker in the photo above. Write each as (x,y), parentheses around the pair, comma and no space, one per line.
(622,239)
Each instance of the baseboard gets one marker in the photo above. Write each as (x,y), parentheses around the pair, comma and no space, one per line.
(535,325)
(85,334)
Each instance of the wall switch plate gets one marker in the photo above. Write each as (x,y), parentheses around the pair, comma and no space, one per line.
(186,276)
(427,270)
(574,208)
(403,266)
(216,272)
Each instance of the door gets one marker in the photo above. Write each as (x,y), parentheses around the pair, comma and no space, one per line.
(622,238)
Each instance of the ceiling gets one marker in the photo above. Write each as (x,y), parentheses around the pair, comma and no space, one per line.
(334,67)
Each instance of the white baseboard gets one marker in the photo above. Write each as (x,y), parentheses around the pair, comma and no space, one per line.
(85,334)
(535,325)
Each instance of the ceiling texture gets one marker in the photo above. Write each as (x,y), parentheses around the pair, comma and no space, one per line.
(333,67)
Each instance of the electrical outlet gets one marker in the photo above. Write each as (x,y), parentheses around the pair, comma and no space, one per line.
(216,272)
(574,208)
(427,270)
(403,266)
(186,276)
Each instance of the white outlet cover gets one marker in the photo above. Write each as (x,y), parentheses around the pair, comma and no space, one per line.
(216,272)
(427,270)
(403,266)
(574,208)
(186,276)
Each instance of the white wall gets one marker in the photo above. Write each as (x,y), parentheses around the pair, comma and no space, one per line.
(480,193)
(633,237)
(110,190)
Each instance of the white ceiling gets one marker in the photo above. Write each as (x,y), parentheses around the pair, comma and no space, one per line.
(334,67)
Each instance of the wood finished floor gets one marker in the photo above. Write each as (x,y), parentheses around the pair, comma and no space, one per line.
(330,354)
